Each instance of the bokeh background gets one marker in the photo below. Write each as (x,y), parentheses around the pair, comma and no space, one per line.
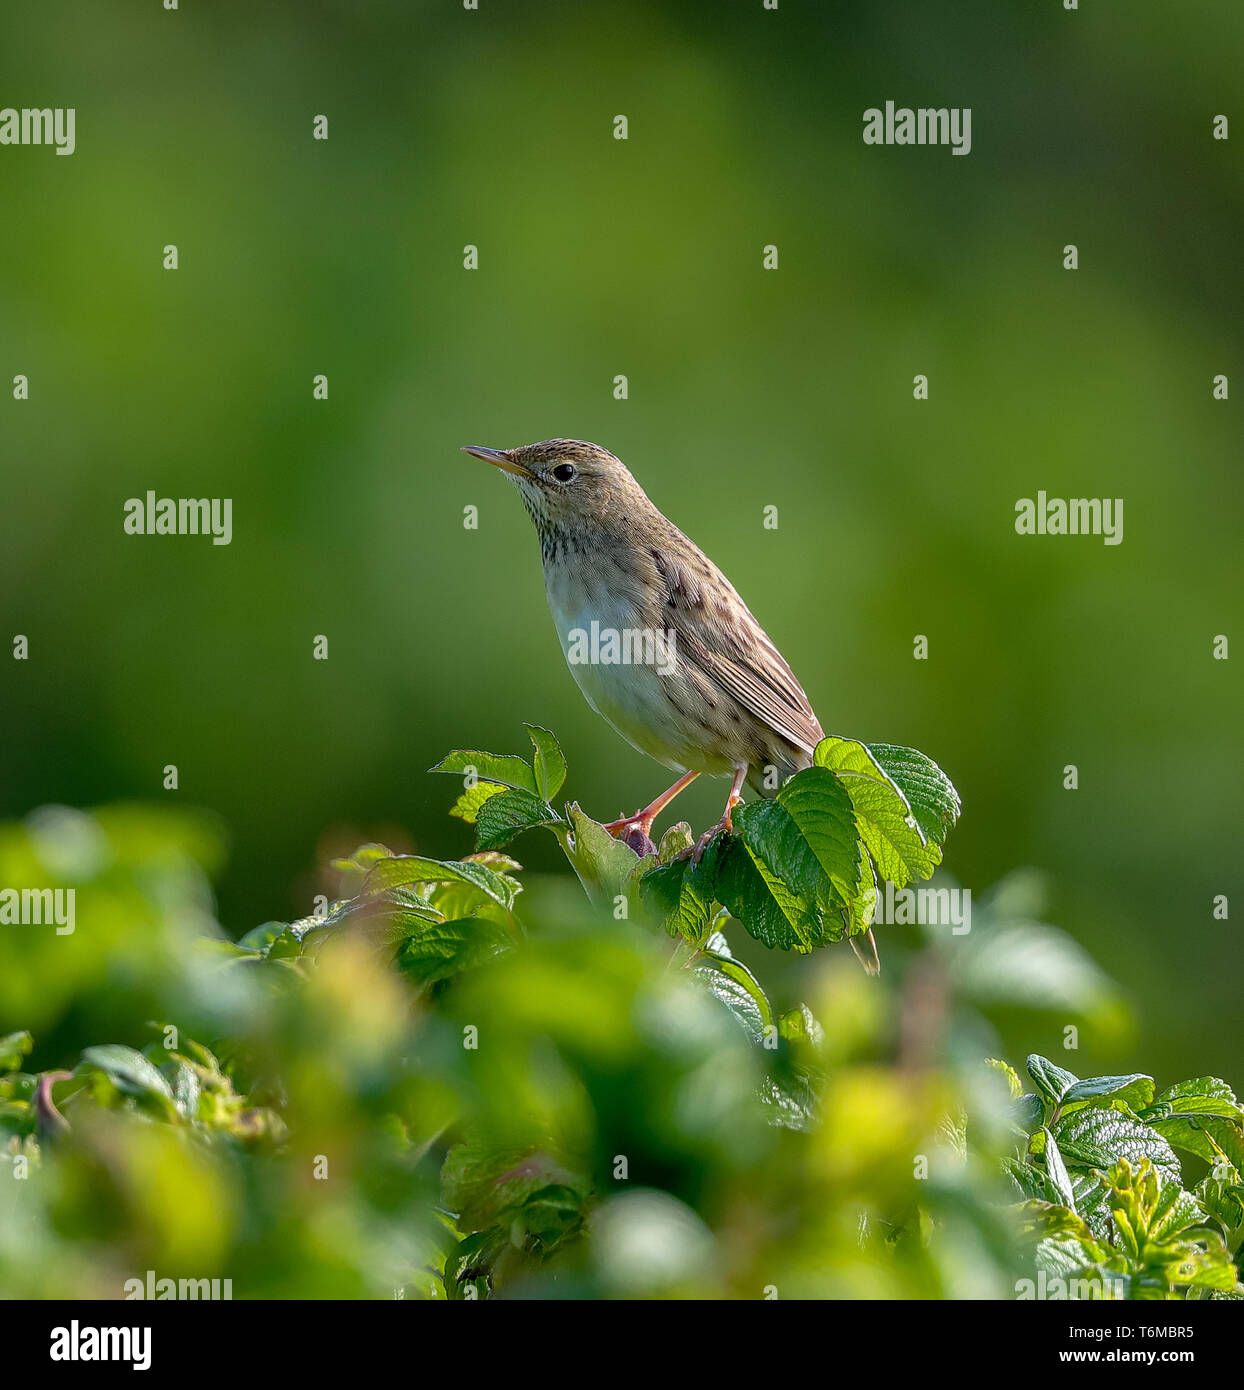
(747,388)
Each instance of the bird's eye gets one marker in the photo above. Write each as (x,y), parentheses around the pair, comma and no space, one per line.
(564,472)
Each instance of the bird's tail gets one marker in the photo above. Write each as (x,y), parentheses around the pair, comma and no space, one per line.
(865,948)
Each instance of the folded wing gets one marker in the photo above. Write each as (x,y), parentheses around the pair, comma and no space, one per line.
(718,633)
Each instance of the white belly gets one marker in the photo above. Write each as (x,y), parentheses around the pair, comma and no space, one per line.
(598,629)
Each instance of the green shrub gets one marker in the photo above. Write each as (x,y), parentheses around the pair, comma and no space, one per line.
(420,1091)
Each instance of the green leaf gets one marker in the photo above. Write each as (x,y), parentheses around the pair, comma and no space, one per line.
(381,913)
(453,900)
(1067,1247)
(1201,1089)
(403,870)
(1176,1211)
(481,1181)
(1090,1194)
(494,859)
(13,1048)
(1158,1236)
(468,804)
(131,1072)
(1053,1082)
(792,1090)
(632,884)
(550,761)
(805,854)
(186,1089)
(547,1216)
(1028,1179)
(1028,1112)
(680,895)
(784,923)
(1201,1116)
(505,768)
(260,938)
(1223,1197)
(734,985)
(930,793)
(899,847)
(471,1264)
(1008,1073)
(355,868)
(502,817)
(799,1026)
(1094,1138)
(601,862)
(1056,1170)
(1135,1091)
(822,814)
(862,908)
(675,841)
(288,944)
(430,951)
(793,1099)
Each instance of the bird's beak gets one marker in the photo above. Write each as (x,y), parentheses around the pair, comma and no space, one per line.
(498,457)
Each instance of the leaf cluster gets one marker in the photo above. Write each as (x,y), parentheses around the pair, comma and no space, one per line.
(1104,1170)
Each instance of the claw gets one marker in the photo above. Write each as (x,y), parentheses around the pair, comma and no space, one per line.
(703,842)
(620,829)
(725,823)
(635,831)
(696,852)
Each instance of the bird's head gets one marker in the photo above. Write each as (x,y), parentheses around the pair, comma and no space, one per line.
(568,483)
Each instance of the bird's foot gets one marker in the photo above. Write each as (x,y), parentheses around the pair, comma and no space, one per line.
(640,821)
(634,831)
(725,823)
(696,852)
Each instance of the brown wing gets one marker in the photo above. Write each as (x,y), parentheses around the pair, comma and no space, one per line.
(719,635)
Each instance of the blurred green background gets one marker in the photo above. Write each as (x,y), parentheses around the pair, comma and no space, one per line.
(747,388)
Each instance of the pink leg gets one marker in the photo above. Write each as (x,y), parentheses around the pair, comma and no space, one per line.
(642,820)
(725,822)
(734,798)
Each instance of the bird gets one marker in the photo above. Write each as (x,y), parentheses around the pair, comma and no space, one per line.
(623,581)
